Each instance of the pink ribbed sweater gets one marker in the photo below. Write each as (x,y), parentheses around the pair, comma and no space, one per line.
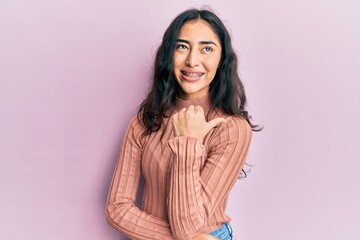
(187,180)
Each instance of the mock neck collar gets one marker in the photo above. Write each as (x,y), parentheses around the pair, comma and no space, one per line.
(204,102)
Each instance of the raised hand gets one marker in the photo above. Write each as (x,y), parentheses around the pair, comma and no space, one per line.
(191,122)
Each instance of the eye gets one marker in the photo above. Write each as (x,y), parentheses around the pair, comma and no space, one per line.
(181,46)
(207,49)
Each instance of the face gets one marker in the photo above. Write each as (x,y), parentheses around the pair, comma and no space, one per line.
(196,58)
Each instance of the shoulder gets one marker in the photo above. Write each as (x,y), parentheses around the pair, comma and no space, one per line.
(136,123)
(235,131)
(238,122)
(232,137)
(235,123)
(135,130)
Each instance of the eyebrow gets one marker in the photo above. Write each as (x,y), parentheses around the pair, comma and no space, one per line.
(201,42)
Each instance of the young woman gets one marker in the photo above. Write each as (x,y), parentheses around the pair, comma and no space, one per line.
(189,139)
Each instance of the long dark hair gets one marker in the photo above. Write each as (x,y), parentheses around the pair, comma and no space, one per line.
(226,90)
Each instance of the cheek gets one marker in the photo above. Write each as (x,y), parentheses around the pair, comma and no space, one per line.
(176,67)
(178,59)
(212,65)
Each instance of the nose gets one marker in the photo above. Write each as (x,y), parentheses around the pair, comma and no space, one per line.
(193,59)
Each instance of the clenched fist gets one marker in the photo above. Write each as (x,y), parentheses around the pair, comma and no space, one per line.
(191,122)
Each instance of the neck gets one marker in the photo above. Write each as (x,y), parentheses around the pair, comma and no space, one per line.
(203,101)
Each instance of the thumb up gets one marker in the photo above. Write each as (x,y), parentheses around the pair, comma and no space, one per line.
(191,122)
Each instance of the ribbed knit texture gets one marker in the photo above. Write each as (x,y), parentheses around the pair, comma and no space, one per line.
(187,180)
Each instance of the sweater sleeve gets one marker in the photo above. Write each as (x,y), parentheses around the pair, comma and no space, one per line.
(122,214)
(196,190)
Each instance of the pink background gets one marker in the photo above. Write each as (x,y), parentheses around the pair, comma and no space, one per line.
(72,74)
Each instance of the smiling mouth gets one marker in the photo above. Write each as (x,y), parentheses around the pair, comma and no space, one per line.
(192,75)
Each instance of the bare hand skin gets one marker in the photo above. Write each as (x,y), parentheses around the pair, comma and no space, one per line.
(204,236)
(191,122)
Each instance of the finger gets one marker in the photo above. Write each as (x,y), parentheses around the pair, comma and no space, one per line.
(198,108)
(215,122)
(191,107)
(181,112)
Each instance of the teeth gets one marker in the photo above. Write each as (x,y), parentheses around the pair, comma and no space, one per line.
(192,74)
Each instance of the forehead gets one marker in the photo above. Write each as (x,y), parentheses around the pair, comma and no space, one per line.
(197,30)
